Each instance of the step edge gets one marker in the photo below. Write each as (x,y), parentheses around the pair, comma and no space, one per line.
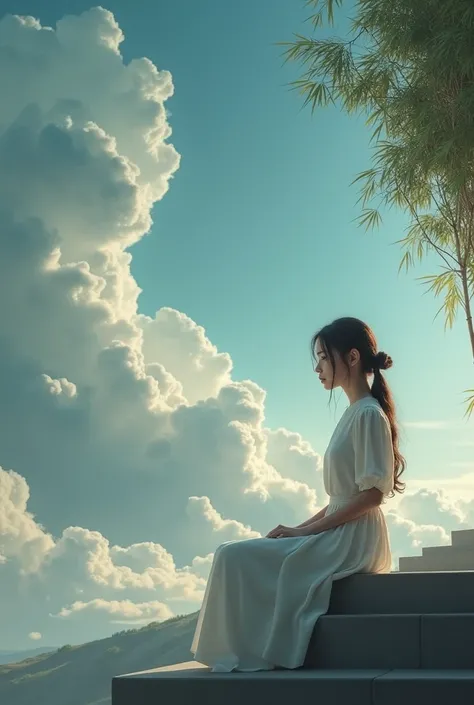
(200,674)
(378,673)
(394,615)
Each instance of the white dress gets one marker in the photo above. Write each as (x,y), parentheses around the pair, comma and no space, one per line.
(264,596)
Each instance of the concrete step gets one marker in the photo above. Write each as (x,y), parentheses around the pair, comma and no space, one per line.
(444,551)
(463,538)
(412,564)
(447,641)
(448,557)
(365,641)
(424,687)
(403,641)
(190,682)
(404,593)
(431,563)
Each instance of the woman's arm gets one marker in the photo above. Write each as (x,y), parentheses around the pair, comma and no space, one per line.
(360,505)
(316,517)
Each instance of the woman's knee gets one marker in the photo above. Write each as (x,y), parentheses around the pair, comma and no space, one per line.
(234,548)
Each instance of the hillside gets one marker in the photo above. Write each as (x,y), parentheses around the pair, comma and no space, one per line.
(13,656)
(81,675)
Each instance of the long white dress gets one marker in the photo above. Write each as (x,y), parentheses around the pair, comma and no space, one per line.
(264,596)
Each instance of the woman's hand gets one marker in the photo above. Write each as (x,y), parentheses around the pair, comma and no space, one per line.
(283,532)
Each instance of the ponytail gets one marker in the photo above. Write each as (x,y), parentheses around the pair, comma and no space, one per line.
(381,392)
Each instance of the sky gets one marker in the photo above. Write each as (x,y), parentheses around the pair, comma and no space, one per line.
(173,229)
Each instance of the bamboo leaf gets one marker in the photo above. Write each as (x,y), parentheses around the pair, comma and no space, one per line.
(407,67)
(370,218)
(469,402)
(406,262)
(325,5)
(446,283)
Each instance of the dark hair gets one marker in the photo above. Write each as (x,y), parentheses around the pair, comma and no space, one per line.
(342,336)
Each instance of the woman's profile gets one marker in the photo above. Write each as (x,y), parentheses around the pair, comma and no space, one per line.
(264,595)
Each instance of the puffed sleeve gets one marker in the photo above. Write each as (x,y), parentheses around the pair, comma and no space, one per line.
(373,450)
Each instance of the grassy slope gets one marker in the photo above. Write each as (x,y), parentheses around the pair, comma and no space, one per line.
(81,675)
(11,656)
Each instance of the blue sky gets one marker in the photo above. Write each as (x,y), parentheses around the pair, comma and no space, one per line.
(256,239)
(260,218)
(256,242)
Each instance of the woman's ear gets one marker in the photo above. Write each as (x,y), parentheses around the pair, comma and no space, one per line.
(354,357)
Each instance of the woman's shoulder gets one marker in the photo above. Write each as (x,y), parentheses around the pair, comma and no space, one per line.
(368,409)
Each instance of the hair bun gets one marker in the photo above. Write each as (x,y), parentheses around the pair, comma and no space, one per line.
(382,361)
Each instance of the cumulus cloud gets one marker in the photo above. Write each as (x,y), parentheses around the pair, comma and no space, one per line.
(81,572)
(433,507)
(185,351)
(121,611)
(20,536)
(407,537)
(130,452)
(293,457)
(227,529)
(88,559)
(34,636)
(455,486)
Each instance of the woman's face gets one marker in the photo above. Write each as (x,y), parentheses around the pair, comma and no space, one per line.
(325,370)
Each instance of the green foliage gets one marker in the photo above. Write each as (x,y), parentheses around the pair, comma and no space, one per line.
(469,402)
(408,67)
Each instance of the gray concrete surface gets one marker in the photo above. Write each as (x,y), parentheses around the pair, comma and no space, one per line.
(458,556)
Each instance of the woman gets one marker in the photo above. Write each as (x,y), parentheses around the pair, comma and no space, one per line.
(264,596)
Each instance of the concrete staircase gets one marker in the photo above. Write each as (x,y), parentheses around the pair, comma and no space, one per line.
(386,640)
(458,556)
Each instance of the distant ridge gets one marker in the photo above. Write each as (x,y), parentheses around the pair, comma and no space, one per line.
(82,675)
(13,656)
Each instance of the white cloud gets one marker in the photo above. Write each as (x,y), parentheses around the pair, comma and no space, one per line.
(185,351)
(121,610)
(428,425)
(112,580)
(201,565)
(35,636)
(228,529)
(432,507)
(459,488)
(294,458)
(110,419)
(407,537)
(90,561)
(21,537)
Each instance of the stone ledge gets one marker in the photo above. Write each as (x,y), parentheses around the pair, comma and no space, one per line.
(447,641)
(436,687)
(401,641)
(462,537)
(404,593)
(188,682)
(389,641)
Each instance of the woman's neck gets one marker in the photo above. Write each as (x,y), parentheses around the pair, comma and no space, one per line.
(357,389)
